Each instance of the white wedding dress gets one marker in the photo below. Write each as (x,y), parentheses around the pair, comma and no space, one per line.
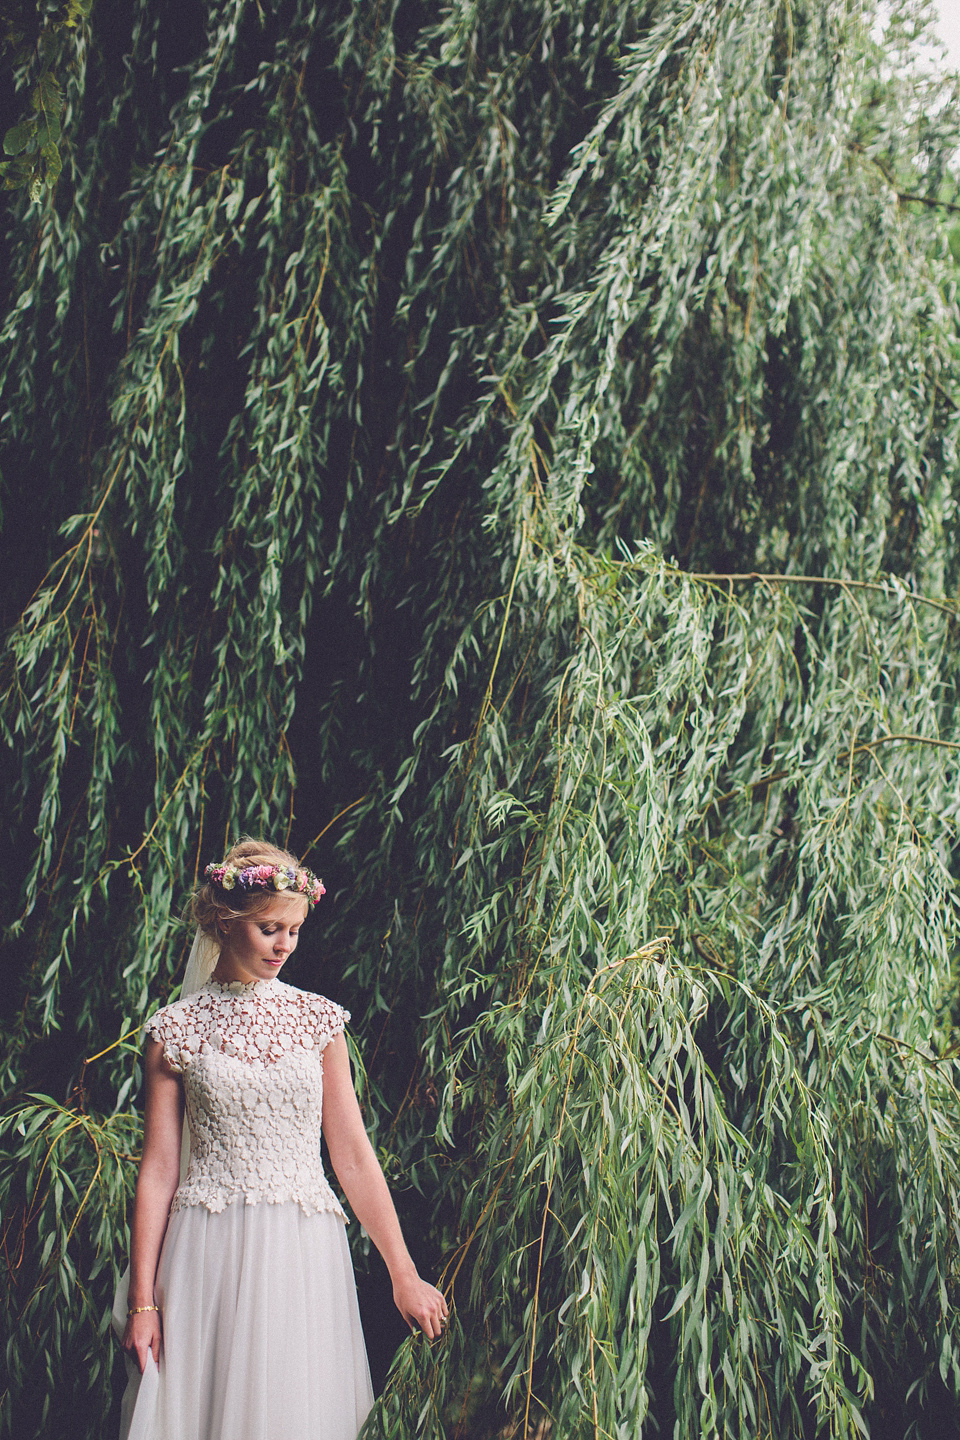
(261,1330)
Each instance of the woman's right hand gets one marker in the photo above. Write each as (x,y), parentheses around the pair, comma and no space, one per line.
(144,1333)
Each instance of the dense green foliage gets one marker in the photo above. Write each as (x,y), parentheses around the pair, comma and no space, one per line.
(37,37)
(515,444)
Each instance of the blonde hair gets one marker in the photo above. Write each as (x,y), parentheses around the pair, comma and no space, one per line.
(208,904)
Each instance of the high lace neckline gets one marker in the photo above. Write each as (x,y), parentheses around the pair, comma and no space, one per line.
(239,987)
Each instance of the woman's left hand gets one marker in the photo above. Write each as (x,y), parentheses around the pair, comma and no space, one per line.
(421,1304)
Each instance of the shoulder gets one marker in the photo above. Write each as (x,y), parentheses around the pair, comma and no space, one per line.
(175,1025)
(326,1019)
(179,1012)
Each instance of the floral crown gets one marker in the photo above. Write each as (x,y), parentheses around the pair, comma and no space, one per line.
(280,878)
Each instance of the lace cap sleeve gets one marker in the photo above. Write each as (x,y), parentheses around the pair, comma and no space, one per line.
(167,1026)
(331,1021)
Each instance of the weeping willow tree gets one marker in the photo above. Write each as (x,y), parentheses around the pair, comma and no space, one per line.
(511,451)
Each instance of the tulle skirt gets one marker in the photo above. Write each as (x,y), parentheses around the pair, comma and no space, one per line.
(261,1331)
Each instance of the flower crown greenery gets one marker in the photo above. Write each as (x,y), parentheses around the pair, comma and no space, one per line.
(280,878)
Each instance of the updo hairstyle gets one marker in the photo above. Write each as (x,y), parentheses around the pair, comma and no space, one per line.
(210,904)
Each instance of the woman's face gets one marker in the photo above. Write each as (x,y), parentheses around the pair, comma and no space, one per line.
(255,947)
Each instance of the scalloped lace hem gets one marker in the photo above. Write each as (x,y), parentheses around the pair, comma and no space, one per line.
(318,1204)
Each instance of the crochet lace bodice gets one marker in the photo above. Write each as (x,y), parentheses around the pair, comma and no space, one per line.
(251,1061)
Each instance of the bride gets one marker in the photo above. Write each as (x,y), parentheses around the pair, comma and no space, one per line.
(242,1312)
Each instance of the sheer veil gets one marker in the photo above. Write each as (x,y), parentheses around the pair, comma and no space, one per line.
(201,963)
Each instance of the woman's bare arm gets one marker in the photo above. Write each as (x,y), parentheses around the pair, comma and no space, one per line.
(156,1182)
(358,1171)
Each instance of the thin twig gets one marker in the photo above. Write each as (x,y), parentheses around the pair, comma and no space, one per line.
(842,755)
(330,823)
(905,735)
(757,577)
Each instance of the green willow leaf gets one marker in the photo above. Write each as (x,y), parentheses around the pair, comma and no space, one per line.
(18,137)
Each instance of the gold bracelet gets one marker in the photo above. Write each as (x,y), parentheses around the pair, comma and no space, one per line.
(139,1309)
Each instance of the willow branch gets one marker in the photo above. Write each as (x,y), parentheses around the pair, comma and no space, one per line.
(758,577)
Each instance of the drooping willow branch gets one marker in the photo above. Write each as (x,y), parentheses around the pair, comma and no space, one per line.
(951,607)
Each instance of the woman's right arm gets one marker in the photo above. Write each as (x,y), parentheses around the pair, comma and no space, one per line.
(158,1179)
